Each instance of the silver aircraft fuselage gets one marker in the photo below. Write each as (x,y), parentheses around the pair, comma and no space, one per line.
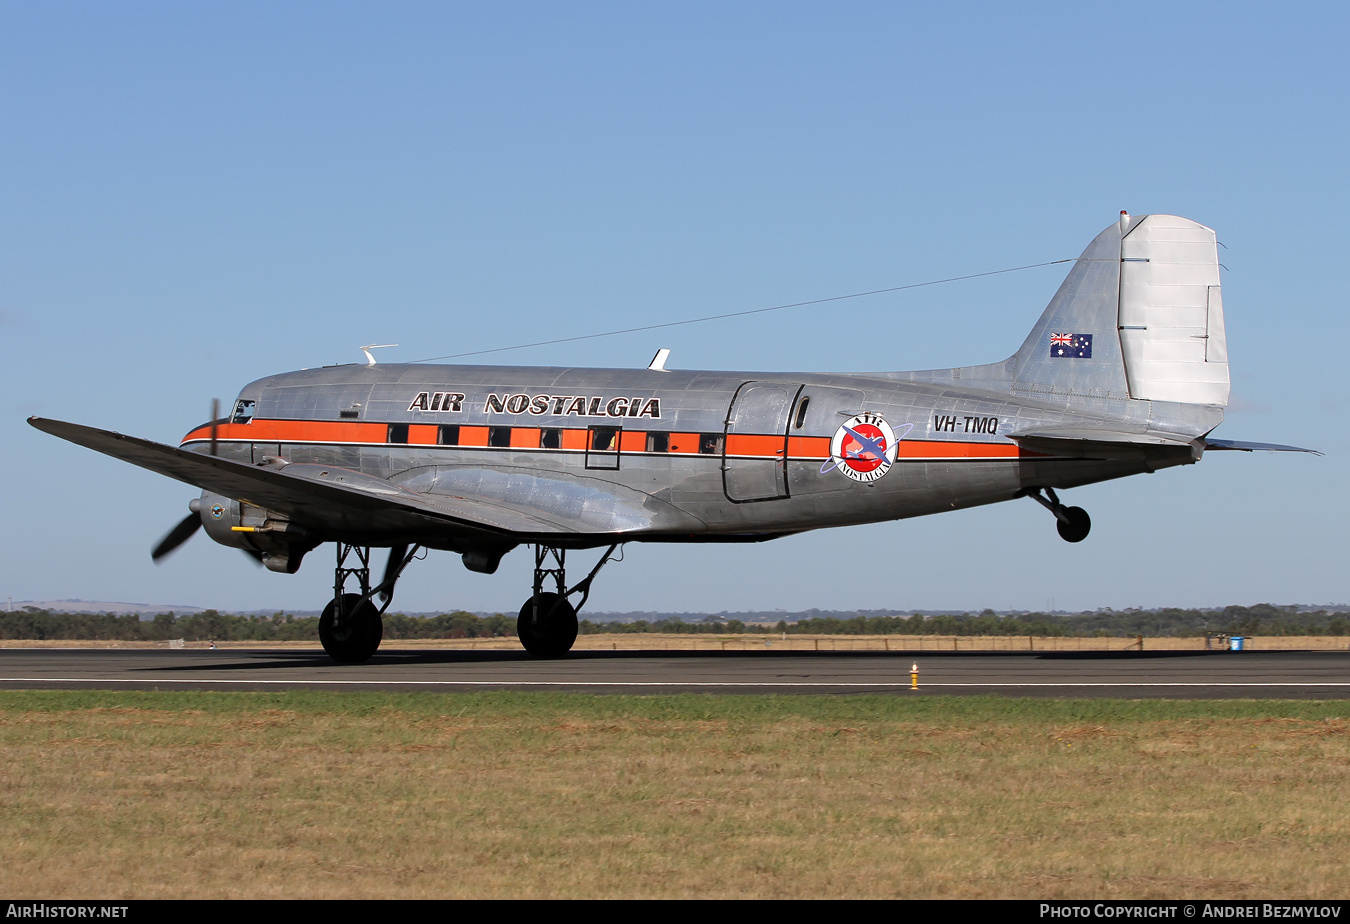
(675,455)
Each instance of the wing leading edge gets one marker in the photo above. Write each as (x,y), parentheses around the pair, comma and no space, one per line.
(341,500)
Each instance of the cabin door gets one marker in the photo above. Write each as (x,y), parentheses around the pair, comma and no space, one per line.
(754,453)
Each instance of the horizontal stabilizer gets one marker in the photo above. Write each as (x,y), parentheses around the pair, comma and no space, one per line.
(1101,436)
(1105,446)
(1241,446)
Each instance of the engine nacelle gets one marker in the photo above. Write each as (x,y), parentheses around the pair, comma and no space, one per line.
(281,544)
(484,561)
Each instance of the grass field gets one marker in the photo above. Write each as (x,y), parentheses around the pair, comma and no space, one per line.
(143,795)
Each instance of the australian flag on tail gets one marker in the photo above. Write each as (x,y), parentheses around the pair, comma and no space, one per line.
(1070,346)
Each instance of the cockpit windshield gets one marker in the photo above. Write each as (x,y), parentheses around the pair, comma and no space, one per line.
(243,411)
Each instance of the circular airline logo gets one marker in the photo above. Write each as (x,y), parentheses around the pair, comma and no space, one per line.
(864,447)
(217,511)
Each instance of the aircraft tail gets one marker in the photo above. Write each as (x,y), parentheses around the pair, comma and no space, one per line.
(1139,316)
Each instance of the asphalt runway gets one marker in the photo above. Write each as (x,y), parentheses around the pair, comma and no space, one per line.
(1170,674)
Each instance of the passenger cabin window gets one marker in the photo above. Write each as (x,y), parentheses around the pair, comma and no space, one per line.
(550,438)
(710,444)
(398,433)
(499,436)
(604,439)
(448,434)
(243,411)
(658,442)
(602,448)
(801,414)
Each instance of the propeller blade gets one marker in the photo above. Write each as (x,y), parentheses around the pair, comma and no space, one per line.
(215,423)
(177,536)
(396,555)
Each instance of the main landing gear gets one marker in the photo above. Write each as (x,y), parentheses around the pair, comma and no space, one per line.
(547,624)
(1073,523)
(350,627)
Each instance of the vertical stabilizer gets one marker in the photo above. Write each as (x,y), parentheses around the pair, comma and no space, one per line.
(1074,349)
(1140,316)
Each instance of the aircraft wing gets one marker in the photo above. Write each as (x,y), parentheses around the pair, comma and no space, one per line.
(338,499)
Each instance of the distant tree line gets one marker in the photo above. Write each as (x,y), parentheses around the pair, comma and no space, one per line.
(33,623)
(673,626)
(1260,620)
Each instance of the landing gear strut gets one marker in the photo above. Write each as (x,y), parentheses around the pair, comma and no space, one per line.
(1073,523)
(547,624)
(350,627)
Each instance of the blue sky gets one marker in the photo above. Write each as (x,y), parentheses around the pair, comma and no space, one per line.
(194,196)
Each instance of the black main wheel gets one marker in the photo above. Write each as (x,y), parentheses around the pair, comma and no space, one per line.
(547,625)
(1079,525)
(359,635)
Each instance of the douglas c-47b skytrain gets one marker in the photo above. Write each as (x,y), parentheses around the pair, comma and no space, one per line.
(1125,372)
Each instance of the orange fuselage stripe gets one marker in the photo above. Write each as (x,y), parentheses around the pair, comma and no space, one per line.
(745,444)
(576,439)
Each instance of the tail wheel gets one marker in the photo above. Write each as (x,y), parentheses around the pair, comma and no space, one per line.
(1078,526)
(357,636)
(547,625)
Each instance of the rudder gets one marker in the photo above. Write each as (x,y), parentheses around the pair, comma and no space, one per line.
(1171,312)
